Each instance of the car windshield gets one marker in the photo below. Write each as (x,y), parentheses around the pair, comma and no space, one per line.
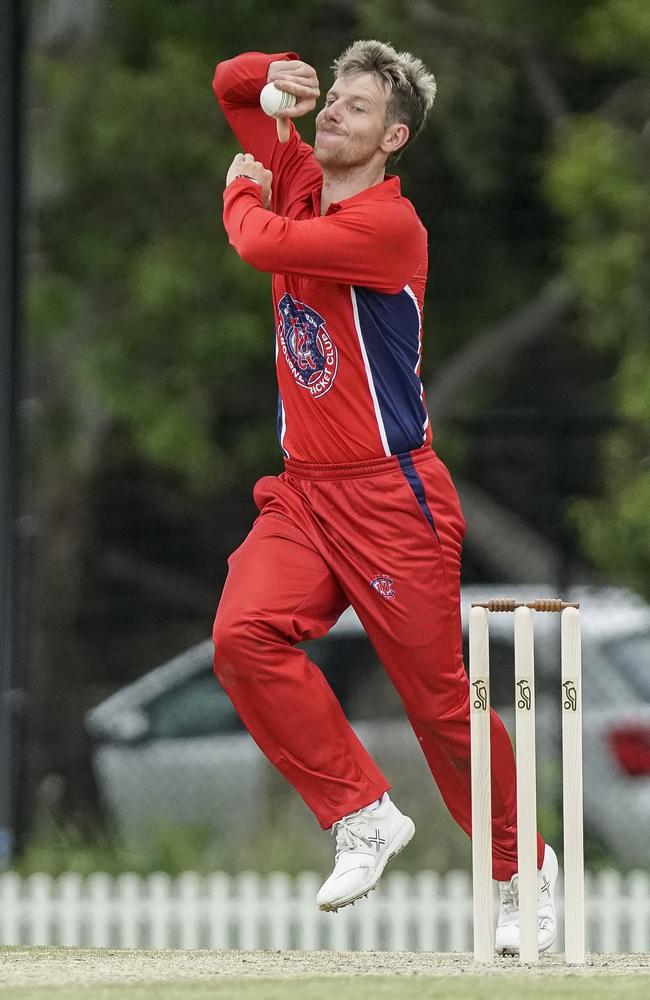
(631,654)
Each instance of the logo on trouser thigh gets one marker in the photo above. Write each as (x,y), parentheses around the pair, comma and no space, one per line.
(384,586)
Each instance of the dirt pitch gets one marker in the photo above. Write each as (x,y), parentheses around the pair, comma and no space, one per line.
(86,967)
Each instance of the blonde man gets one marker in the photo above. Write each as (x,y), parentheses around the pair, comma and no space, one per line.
(365,513)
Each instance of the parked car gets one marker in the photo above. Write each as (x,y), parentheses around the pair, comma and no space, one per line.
(170,748)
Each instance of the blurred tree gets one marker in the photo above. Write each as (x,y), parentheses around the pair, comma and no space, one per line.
(600,184)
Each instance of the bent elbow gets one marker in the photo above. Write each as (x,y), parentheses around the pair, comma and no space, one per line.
(256,254)
(218,80)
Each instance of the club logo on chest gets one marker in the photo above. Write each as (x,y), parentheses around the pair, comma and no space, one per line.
(306,346)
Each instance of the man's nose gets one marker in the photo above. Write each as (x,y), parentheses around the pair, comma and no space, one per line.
(331,111)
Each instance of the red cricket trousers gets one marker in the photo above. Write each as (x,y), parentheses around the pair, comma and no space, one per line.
(385,537)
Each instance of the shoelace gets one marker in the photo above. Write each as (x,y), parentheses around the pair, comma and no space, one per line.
(350,834)
(510,895)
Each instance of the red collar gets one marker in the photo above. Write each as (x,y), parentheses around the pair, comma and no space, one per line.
(388,190)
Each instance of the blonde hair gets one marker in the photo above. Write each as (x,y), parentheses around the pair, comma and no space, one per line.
(412,86)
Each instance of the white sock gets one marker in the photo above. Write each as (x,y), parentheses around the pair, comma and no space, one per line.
(370,808)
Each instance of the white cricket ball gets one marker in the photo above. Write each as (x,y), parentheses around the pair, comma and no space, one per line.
(275,101)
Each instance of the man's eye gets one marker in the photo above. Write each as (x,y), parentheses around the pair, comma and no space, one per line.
(357,107)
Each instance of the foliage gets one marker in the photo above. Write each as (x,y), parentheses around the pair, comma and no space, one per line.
(150,329)
(600,184)
(616,32)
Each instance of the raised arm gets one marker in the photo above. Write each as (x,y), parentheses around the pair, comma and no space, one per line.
(237,85)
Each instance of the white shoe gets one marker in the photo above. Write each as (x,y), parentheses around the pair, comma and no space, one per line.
(365,842)
(507,934)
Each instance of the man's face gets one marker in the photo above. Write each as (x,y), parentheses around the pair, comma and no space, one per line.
(351,126)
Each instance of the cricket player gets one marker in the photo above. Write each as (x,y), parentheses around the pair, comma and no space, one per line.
(365,513)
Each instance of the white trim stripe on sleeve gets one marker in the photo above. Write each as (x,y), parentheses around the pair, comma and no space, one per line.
(409,291)
(283,430)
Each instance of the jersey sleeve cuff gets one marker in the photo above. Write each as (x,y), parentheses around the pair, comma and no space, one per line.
(243,185)
(238,81)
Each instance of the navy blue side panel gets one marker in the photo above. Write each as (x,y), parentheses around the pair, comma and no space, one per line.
(417,486)
(390,327)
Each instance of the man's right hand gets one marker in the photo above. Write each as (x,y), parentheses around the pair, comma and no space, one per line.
(300,79)
(245,165)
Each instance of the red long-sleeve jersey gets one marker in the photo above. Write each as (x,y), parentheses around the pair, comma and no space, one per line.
(348,289)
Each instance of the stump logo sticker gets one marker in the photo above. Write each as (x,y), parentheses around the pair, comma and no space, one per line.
(570,696)
(480,695)
(525,700)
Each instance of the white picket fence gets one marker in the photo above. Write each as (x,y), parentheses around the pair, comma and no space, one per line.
(424,912)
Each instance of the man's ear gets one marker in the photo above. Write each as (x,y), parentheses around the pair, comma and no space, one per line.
(395,137)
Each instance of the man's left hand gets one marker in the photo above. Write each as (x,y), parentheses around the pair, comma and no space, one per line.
(245,165)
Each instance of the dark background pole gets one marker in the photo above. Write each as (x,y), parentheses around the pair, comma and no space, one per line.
(10,38)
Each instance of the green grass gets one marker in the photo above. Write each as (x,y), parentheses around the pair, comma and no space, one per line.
(100,968)
(345,988)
